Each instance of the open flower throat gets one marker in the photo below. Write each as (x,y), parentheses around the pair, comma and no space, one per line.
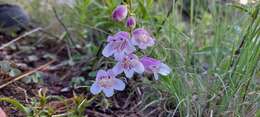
(106,81)
(119,45)
(143,38)
(127,63)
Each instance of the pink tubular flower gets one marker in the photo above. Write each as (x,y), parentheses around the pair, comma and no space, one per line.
(119,13)
(119,45)
(131,22)
(153,66)
(129,64)
(142,38)
(106,82)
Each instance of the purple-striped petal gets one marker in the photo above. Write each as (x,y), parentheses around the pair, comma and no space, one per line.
(142,38)
(111,73)
(150,64)
(118,45)
(111,39)
(101,73)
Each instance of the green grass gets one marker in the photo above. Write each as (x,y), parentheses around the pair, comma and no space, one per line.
(224,88)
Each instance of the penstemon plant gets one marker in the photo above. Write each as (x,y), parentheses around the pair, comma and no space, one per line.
(122,46)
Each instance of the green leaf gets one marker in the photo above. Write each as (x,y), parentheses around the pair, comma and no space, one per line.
(150,3)
(14,72)
(77,81)
(92,74)
(258,113)
(37,77)
(143,9)
(81,107)
(17,104)
(5,66)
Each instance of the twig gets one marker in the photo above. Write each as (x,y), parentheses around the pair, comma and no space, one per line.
(63,25)
(66,29)
(20,37)
(99,52)
(167,16)
(27,74)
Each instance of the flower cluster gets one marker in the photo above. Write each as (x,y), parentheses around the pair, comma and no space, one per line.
(122,46)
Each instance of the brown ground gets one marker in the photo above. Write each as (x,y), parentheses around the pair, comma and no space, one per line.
(28,54)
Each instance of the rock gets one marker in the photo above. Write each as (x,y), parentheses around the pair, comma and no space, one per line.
(13,19)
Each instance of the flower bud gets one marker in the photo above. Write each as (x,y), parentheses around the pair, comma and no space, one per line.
(131,22)
(119,13)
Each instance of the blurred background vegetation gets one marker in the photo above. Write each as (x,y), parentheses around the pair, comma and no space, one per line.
(212,46)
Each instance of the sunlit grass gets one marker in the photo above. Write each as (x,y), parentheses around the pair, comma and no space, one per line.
(210,77)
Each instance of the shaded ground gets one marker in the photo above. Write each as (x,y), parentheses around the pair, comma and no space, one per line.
(28,54)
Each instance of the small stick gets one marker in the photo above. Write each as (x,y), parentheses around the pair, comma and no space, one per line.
(167,16)
(20,37)
(67,31)
(27,74)
(64,26)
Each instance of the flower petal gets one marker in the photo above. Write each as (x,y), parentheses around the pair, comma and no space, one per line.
(129,73)
(110,39)
(122,34)
(156,76)
(139,67)
(101,73)
(119,55)
(108,50)
(130,48)
(108,92)
(117,69)
(95,89)
(151,42)
(119,85)
(133,41)
(164,69)
(142,46)
(111,73)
